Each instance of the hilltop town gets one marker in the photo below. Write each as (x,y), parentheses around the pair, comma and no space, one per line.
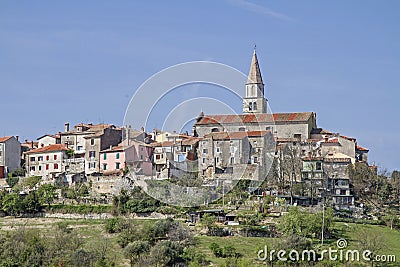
(299,162)
(266,176)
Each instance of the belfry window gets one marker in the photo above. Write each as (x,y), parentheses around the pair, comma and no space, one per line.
(254,105)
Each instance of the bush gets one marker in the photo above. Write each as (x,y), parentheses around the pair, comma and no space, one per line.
(11,181)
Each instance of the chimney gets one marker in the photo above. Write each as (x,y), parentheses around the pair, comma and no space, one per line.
(66,128)
(17,137)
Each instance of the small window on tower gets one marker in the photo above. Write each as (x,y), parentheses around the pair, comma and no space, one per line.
(254,105)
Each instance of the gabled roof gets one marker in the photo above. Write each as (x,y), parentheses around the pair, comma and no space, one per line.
(255,118)
(49,148)
(5,138)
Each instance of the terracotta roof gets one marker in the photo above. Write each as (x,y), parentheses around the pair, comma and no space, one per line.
(162,144)
(255,118)
(113,149)
(360,148)
(254,72)
(190,141)
(49,148)
(5,138)
(333,141)
(348,138)
(235,135)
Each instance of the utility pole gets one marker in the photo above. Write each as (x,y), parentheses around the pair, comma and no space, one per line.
(323,220)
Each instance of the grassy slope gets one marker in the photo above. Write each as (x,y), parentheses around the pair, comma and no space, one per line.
(93,231)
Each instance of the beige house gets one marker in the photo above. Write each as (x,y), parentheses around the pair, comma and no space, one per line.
(47,161)
(10,155)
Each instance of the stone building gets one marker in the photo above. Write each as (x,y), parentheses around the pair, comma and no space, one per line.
(86,141)
(255,115)
(236,155)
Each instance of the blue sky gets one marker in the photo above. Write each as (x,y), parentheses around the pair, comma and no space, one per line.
(82,60)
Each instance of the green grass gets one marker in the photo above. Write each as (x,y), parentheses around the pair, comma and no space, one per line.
(94,233)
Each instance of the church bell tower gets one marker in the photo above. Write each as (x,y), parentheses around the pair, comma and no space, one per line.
(254,101)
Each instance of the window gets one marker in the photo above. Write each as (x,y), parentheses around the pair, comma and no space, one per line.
(47,166)
(55,166)
(1,153)
(55,157)
(158,156)
(297,136)
(242,129)
(318,166)
(141,157)
(250,106)
(32,158)
(92,165)
(117,156)
(104,167)
(117,165)
(141,148)
(214,130)
(40,158)
(40,168)
(33,168)
(217,159)
(80,147)
(218,150)
(104,156)
(92,142)
(254,105)
(47,157)
(205,150)
(232,160)
(92,154)
(255,159)
(203,160)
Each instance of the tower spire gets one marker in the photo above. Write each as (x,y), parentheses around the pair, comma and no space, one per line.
(254,72)
(254,101)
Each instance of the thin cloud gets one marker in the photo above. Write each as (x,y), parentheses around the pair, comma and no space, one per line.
(260,9)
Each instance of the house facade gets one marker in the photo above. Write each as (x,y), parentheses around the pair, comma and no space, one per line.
(10,155)
(47,161)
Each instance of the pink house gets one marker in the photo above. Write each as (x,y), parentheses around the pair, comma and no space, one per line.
(136,156)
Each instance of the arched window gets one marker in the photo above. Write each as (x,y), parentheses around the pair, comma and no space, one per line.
(250,106)
(242,129)
(254,105)
(214,130)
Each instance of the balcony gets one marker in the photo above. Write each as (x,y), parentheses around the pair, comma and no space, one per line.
(78,160)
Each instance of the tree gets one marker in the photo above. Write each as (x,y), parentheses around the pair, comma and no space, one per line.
(12,204)
(135,250)
(47,194)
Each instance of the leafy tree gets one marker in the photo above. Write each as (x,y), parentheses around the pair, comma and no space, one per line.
(47,194)
(31,181)
(12,204)
(135,250)
(305,224)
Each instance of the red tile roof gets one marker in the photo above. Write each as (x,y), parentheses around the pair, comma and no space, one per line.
(236,135)
(255,118)
(5,138)
(49,148)
(360,148)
